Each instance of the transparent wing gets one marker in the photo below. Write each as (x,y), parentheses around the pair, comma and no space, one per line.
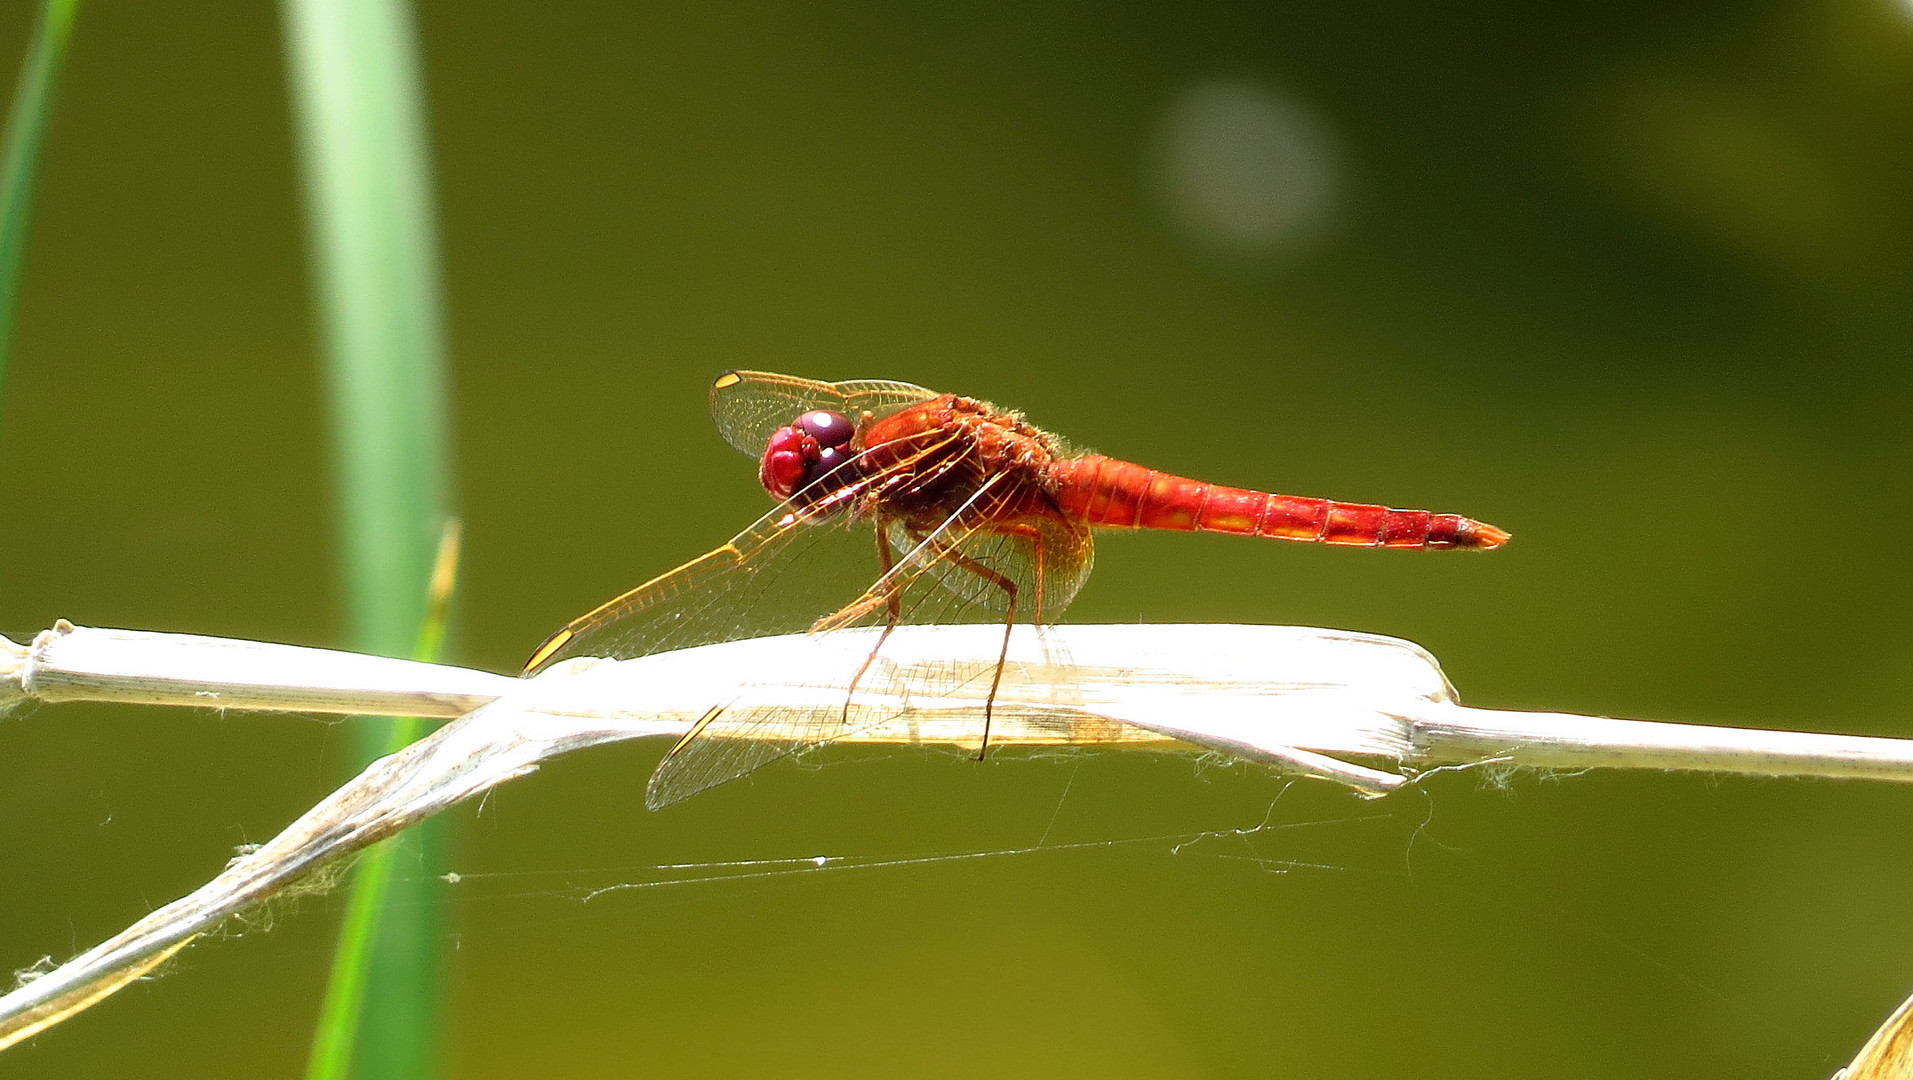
(793,567)
(779,576)
(750,405)
(964,569)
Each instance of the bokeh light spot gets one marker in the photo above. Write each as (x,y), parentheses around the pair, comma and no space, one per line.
(1244,170)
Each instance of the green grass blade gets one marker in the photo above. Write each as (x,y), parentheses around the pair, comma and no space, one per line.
(336,1039)
(20,160)
(360,112)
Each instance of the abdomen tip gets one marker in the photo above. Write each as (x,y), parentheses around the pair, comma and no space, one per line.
(1480,534)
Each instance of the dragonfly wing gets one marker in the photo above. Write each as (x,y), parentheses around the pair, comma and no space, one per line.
(734,740)
(775,577)
(772,578)
(750,405)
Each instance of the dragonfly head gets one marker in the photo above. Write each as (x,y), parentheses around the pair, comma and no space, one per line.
(804,452)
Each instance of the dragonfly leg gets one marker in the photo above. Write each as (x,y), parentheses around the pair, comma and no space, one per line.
(1010,590)
(893,613)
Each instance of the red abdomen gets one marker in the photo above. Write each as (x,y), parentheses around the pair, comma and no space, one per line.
(1122,495)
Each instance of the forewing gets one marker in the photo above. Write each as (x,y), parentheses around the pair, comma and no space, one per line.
(751,405)
(772,578)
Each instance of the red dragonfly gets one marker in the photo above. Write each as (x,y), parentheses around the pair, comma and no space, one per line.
(970,511)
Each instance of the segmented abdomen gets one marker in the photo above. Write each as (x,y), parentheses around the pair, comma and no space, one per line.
(1123,495)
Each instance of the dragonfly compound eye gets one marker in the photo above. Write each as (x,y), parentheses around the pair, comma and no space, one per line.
(798,456)
(828,428)
(829,460)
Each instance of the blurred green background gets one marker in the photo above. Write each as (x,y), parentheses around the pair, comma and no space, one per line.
(1631,281)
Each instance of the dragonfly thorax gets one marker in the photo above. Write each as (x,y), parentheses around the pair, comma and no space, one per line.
(937,454)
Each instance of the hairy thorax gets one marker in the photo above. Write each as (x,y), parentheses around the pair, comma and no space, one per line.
(948,447)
